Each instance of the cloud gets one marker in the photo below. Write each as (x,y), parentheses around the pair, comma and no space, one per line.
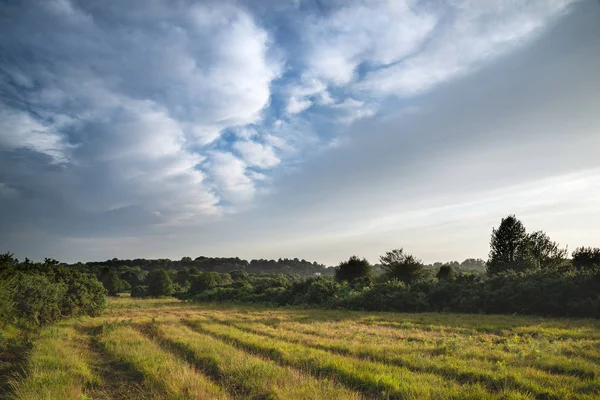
(303,95)
(376,32)
(131,102)
(475,33)
(257,154)
(7,192)
(20,130)
(231,178)
(140,119)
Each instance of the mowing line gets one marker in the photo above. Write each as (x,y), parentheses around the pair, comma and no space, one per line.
(162,371)
(568,364)
(58,366)
(494,381)
(244,375)
(372,379)
(118,381)
(461,373)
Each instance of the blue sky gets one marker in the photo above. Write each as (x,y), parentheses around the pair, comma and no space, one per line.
(315,129)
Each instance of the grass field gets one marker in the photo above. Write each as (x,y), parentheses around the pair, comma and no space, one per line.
(166,349)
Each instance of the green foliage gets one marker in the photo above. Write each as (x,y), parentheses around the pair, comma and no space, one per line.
(546,253)
(204,281)
(139,291)
(446,273)
(586,258)
(352,269)
(36,294)
(7,306)
(508,247)
(396,264)
(239,276)
(112,283)
(159,283)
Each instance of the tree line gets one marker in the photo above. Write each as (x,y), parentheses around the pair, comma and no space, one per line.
(526,273)
(35,294)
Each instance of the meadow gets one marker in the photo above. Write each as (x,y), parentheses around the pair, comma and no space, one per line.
(169,349)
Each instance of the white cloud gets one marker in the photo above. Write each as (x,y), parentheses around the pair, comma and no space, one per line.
(257,154)
(301,96)
(19,130)
(351,110)
(375,32)
(230,176)
(297,104)
(141,101)
(477,32)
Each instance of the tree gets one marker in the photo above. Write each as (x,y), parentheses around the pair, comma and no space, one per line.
(508,247)
(396,264)
(353,269)
(182,277)
(204,281)
(446,273)
(547,254)
(586,258)
(239,276)
(139,291)
(159,283)
(112,283)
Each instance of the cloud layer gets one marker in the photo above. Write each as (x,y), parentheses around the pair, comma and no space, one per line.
(143,116)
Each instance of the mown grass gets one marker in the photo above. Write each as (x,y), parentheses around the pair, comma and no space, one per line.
(163,373)
(371,378)
(243,374)
(525,366)
(177,350)
(58,366)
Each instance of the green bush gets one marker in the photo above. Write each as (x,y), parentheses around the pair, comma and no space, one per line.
(139,291)
(37,300)
(159,283)
(36,294)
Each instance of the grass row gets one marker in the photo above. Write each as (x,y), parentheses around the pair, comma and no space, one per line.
(496,376)
(372,379)
(58,366)
(570,355)
(164,375)
(243,374)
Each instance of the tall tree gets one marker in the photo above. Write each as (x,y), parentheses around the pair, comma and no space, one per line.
(546,253)
(353,269)
(396,264)
(112,283)
(586,258)
(508,247)
(159,283)
(446,273)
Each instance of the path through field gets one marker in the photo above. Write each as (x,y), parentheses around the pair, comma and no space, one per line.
(166,349)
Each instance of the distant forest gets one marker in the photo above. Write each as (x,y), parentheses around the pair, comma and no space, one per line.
(526,273)
(228,264)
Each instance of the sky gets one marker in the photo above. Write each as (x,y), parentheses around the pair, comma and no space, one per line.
(311,129)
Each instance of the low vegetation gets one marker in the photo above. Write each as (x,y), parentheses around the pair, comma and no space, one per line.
(209,334)
(169,349)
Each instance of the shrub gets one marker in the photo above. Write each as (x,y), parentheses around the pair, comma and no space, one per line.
(139,291)
(204,281)
(354,268)
(398,265)
(159,283)
(112,283)
(37,300)
(446,272)
(586,258)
